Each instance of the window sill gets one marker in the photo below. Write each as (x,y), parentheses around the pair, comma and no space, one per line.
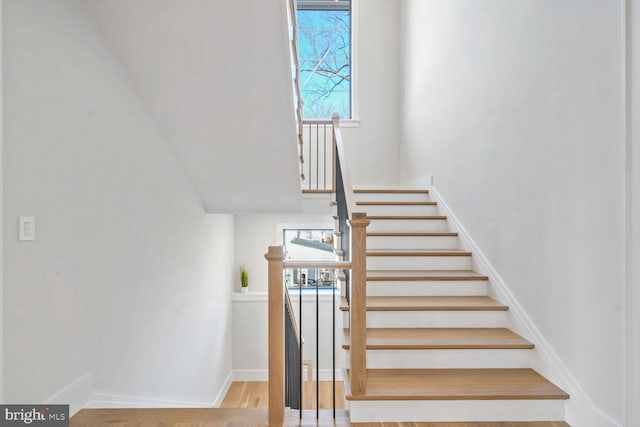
(350,123)
(324,295)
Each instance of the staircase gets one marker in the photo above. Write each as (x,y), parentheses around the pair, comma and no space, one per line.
(437,346)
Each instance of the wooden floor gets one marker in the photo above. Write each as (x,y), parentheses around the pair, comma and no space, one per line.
(192,417)
(254,394)
(245,405)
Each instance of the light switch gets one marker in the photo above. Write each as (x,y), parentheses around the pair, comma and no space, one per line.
(27,228)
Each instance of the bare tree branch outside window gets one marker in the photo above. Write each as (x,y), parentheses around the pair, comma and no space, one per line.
(325,62)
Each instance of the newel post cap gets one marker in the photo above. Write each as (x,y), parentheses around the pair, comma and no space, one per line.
(359,219)
(275,253)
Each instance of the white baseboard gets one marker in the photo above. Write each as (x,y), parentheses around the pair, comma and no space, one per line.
(223,391)
(263,375)
(580,410)
(250,375)
(76,395)
(105,400)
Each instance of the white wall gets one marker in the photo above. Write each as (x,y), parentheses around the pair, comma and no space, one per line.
(250,358)
(127,285)
(516,108)
(216,76)
(372,148)
(1,204)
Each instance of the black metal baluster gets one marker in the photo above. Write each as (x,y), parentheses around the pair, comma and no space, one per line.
(301,347)
(333,347)
(317,355)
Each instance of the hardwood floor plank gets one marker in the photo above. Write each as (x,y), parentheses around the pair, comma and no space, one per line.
(256,417)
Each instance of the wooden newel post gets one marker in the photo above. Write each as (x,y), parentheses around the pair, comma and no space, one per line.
(275,257)
(358,303)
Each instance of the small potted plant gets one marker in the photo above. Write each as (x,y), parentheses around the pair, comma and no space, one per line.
(244,280)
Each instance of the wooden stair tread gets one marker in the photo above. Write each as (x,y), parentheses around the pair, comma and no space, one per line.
(417,252)
(407,217)
(389,191)
(430,303)
(457,384)
(400,234)
(396,203)
(440,338)
(423,275)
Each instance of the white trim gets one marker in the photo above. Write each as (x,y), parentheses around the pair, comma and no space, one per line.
(1,203)
(349,123)
(627,99)
(632,106)
(76,395)
(355,65)
(105,400)
(324,295)
(263,375)
(251,375)
(579,407)
(223,391)
(281,226)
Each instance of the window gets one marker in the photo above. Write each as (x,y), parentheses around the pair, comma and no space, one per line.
(324,39)
(309,244)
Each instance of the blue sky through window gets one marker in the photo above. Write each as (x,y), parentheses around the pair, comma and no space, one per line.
(324,39)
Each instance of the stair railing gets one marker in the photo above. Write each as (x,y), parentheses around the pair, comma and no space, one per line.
(319,150)
(314,136)
(297,88)
(292,357)
(353,242)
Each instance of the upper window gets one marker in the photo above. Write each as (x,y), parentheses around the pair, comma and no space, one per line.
(324,39)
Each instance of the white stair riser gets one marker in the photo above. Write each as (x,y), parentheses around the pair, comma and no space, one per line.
(448,359)
(418,262)
(391,197)
(428,288)
(398,209)
(407,225)
(434,319)
(455,410)
(412,242)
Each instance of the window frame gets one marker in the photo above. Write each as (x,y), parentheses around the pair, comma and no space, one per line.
(324,226)
(354,120)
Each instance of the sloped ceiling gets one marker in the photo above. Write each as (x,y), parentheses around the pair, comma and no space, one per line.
(216,77)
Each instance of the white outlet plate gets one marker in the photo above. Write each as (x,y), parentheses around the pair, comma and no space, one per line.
(27,230)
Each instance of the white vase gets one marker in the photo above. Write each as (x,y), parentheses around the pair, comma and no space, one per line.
(244,290)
